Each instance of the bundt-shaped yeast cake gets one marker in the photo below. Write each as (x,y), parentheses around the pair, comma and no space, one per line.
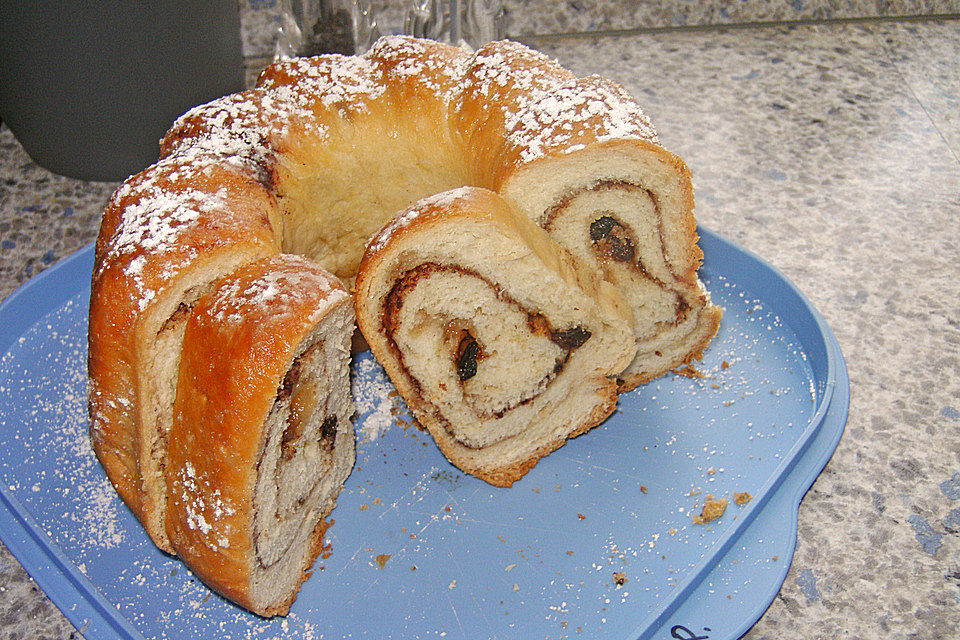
(319,156)
(500,344)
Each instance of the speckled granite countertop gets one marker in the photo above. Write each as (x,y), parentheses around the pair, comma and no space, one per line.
(524,18)
(833,151)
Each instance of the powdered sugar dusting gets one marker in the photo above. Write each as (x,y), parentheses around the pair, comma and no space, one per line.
(201,500)
(245,128)
(508,66)
(56,453)
(159,217)
(591,109)
(543,111)
(158,208)
(333,80)
(373,393)
(289,285)
(438,69)
(233,125)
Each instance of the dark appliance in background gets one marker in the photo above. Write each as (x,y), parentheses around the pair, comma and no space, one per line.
(89,87)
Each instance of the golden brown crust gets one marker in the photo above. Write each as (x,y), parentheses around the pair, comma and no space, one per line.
(218,216)
(571,115)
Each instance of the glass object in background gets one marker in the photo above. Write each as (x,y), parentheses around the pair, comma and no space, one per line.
(312,27)
(459,22)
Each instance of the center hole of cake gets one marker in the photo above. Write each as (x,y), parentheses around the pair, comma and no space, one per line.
(612,239)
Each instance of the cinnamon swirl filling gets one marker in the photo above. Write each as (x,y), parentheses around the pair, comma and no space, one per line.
(617,227)
(297,454)
(475,354)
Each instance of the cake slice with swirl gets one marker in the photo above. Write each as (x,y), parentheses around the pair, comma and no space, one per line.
(585,163)
(262,439)
(500,344)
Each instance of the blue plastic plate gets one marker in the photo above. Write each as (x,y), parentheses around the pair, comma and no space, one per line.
(420,550)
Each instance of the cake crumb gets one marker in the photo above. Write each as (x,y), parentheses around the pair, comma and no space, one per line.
(620,578)
(742,498)
(327,550)
(689,371)
(712,509)
(382,560)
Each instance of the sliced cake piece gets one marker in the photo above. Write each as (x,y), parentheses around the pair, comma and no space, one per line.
(584,162)
(262,439)
(500,346)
